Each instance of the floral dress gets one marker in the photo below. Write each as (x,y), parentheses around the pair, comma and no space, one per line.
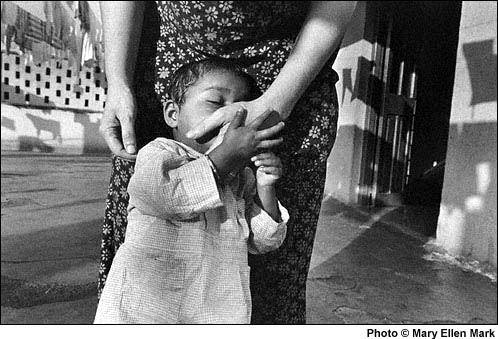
(259,36)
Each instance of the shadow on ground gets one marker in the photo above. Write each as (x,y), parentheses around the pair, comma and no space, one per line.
(378,275)
(52,265)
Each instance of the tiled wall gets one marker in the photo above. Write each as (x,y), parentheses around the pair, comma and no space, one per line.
(52,85)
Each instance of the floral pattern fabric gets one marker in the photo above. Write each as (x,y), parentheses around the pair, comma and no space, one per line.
(258,35)
(114,228)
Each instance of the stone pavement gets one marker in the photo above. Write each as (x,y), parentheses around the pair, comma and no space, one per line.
(52,211)
(376,266)
(369,266)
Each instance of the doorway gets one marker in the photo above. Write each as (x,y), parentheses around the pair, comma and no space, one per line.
(415,59)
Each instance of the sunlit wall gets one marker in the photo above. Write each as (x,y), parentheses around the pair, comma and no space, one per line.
(343,170)
(48,105)
(467,220)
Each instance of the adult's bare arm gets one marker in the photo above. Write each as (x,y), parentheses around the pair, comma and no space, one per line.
(122,26)
(319,37)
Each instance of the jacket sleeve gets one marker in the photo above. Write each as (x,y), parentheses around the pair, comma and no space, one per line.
(170,185)
(266,234)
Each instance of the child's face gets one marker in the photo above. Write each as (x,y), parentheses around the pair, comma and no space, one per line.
(211,92)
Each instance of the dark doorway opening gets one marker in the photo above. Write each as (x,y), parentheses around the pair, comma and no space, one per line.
(419,41)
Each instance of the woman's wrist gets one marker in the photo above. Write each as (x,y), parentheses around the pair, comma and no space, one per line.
(270,101)
(119,84)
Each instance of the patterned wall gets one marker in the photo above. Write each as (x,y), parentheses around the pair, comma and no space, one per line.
(53,85)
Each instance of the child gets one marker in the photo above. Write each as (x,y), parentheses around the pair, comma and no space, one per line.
(195,210)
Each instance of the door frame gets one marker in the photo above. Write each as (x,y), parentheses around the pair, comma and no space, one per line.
(374,102)
(377,23)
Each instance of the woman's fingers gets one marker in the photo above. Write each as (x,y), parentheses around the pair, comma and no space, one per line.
(128,134)
(111,137)
(225,114)
(117,125)
(206,125)
(269,132)
(219,118)
(111,131)
(269,143)
(260,119)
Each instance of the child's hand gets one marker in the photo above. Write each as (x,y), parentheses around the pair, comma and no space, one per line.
(241,142)
(269,168)
(244,141)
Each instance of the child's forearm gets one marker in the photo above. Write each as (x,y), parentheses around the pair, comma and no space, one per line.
(268,200)
(224,161)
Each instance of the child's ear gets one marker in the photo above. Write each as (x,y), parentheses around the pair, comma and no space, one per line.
(170,112)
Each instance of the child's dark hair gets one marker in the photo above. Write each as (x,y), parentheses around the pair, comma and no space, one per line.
(188,74)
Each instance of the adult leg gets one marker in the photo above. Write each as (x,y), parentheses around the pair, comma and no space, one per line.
(148,125)
(114,228)
(278,278)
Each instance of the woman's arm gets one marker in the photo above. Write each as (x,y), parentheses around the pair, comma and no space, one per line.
(319,37)
(122,26)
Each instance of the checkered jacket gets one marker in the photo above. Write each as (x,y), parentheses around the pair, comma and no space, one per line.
(184,259)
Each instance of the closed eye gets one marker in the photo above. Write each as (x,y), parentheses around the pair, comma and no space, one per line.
(215,102)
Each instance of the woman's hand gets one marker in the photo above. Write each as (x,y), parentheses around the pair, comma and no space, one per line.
(226,114)
(319,37)
(118,122)
(122,27)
